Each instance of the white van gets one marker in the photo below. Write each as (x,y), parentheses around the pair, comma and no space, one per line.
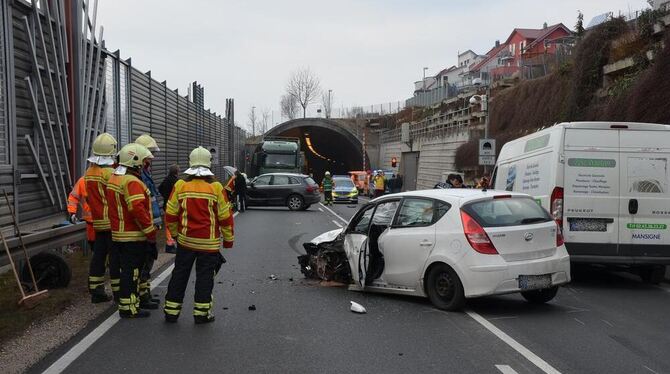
(606,184)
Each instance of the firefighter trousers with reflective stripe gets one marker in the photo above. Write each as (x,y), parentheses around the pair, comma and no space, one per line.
(206,265)
(145,275)
(132,257)
(105,255)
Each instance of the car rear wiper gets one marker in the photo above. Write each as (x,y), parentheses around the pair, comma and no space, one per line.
(534,220)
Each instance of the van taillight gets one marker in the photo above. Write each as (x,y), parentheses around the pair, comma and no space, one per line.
(477,237)
(556,205)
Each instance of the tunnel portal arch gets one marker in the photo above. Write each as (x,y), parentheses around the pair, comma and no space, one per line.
(335,147)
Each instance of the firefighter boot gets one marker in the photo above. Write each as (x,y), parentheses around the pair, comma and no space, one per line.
(138,314)
(202,319)
(98,295)
(146,302)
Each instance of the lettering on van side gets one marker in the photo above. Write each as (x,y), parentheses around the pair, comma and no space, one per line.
(572,210)
(647,236)
(661,212)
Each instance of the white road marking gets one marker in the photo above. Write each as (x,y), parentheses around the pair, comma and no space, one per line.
(607,323)
(525,352)
(648,368)
(506,369)
(333,213)
(578,311)
(583,324)
(504,317)
(337,224)
(320,210)
(68,358)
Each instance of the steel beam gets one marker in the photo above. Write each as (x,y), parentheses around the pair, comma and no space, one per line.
(47,188)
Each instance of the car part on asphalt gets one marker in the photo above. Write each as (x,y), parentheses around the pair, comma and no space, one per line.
(357,308)
(252,307)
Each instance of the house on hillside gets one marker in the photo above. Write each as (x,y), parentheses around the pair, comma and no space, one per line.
(494,58)
(529,45)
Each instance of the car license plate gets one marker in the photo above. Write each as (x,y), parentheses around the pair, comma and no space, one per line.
(534,282)
(586,224)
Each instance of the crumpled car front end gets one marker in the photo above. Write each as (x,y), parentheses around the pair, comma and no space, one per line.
(326,259)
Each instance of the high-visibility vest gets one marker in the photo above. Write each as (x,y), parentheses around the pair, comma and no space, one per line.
(96,178)
(78,196)
(379,182)
(130,209)
(198,215)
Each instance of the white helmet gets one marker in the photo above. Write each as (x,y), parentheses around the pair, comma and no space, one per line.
(328,174)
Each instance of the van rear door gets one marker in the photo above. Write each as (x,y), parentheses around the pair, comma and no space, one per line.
(591,193)
(645,194)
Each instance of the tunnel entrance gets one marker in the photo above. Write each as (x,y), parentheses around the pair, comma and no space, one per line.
(327,146)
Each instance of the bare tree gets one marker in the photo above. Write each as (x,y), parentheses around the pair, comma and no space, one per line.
(304,86)
(327,102)
(265,120)
(289,106)
(253,120)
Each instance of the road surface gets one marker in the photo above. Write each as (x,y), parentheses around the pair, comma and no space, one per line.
(603,322)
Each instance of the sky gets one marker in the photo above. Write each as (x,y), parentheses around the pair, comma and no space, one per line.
(368,52)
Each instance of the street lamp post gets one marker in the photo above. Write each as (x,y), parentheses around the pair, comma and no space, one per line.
(330,105)
(253,122)
(484,99)
(424,79)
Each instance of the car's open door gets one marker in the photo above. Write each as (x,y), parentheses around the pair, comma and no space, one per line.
(356,244)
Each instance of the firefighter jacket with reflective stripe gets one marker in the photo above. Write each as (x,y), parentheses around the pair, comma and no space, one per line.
(78,196)
(96,178)
(198,215)
(130,209)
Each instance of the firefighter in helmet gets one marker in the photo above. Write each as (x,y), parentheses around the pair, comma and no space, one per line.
(133,229)
(198,215)
(95,179)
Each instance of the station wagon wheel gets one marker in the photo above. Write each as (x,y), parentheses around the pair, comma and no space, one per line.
(444,288)
(295,202)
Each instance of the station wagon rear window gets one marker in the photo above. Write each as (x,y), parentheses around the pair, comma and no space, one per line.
(515,211)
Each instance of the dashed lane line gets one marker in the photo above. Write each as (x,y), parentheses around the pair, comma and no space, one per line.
(506,369)
(525,352)
(333,213)
(68,358)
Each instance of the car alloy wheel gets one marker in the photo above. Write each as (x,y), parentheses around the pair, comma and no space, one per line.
(295,202)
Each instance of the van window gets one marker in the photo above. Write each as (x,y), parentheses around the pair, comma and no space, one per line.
(536,143)
(507,212)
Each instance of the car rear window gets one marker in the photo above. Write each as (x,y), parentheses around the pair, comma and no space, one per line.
(503,212)
(310,181)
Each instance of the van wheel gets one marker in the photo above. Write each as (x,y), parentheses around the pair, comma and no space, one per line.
(652,274)
(295,202)
(444,288)
(540,296)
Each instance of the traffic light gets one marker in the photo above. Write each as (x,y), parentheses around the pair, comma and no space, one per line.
(394,162)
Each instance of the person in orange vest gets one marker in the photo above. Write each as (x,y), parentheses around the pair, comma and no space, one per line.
(76,197)
(198,215)
(133,229)
(96,177)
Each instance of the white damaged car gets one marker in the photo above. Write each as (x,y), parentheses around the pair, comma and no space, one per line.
(447,245)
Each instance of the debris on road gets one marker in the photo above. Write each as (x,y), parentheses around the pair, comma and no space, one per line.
(331,284)
(273,277)
(357,308)
(290,279)
(252,307)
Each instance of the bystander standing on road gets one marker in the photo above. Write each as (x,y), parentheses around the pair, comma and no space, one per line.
(165,189)
(398,183)
(241,191)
